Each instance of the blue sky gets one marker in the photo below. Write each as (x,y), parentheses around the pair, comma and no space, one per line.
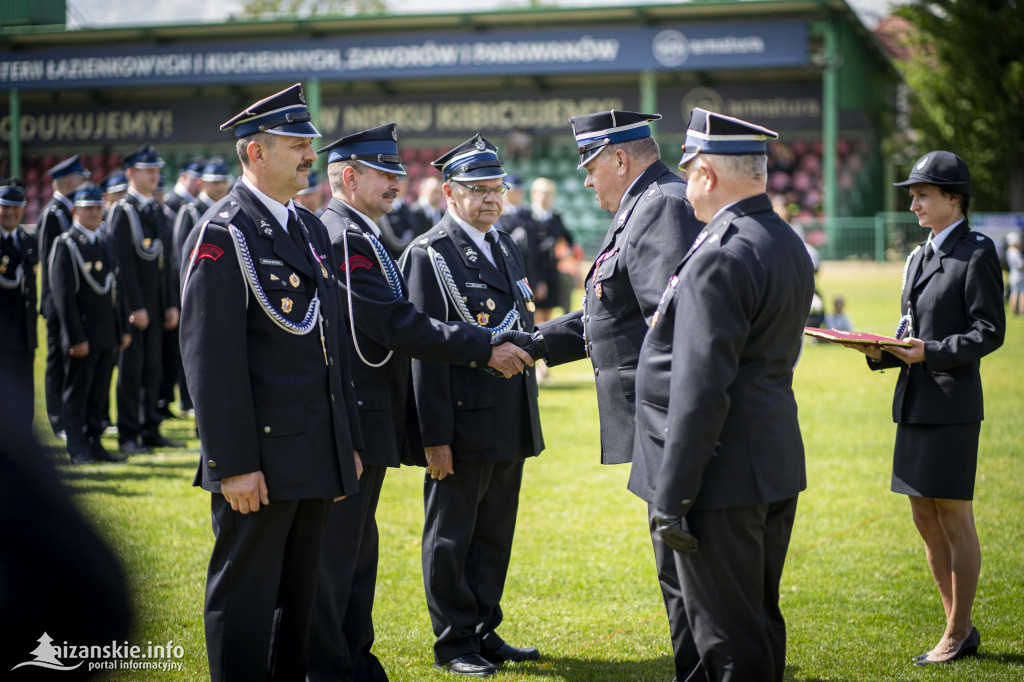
(133,12)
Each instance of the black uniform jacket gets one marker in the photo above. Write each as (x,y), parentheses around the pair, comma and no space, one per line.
(649,235)
(387,321)
(138,237)
(717,420)
(85,292)
(267,399)
(481,416)
(18,266)
(54,220)
(956,302)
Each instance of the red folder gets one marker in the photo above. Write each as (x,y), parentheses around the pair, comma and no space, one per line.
(836,336)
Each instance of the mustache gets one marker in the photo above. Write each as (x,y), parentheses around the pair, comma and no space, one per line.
(389,195)
(304,166)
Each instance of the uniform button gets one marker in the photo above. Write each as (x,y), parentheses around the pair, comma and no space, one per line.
(327,323)
(597,371)
(212,464)
(458,403)
(332,397)
(332,362)
(359,403)
(266,429)
(685,502)
(473,364)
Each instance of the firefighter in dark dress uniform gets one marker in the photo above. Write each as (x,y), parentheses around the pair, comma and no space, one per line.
(473,425)
(385,329)
(138,231)
(54,220)
(84,284)
(18,266)
(653,226)
(262,340)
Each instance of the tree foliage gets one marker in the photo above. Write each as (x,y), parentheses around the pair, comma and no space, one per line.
(268,9)
(967,73)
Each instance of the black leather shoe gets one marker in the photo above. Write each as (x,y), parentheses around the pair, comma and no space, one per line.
(130,447)
(968,647)
(101,454)
(512,654)
(470,665)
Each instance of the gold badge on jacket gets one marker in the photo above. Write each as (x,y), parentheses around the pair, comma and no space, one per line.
(531,306)
(274,278)
(490,304)
(286,305)
(99,265)
(598,289)
(293,279)
(483,318)
(147,242)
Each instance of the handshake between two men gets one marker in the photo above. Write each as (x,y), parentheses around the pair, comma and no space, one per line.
(514,350)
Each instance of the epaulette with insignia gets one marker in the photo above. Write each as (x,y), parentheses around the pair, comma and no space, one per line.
(226,213)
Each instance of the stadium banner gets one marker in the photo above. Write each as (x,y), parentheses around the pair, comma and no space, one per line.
(779,107)
(682,47)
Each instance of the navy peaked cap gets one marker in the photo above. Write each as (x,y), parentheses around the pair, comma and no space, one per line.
(143,157)
(72,164)
(115,182)
(193,166)
(942,169)
(474,159)
(12,192)
(283,113)
(215,170)
(594,132)
(376,148)
(712,133)
(88,195)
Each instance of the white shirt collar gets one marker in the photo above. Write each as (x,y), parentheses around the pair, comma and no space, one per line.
(277,209)
(91,235)
(143,200)
(937,239)
(183,192)
(366,219)
(478,237)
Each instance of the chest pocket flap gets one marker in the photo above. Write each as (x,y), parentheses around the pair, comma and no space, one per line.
(608,267)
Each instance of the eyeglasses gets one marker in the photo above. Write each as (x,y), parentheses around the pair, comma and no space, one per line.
(481,191)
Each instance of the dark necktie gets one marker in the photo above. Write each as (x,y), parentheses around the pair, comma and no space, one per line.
(491,237)
(929,251)
(295,232)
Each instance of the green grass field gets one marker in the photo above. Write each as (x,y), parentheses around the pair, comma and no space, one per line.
(857,594)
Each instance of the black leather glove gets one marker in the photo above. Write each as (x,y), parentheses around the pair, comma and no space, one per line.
(531,343)
(670,528)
